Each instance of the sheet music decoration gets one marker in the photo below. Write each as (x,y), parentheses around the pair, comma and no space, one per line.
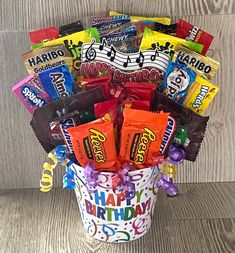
(127,62)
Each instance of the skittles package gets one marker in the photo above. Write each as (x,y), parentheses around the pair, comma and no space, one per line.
(94,142)
(141,136)
(177,81)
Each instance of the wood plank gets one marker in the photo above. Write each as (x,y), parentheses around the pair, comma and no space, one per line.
(26,15)
(33,221)
(21,151)
(201,201)
(204,236)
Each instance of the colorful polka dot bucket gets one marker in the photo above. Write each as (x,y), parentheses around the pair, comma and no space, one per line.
(106,215)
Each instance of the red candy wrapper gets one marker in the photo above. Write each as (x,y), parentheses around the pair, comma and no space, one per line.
(190,32)
(138,95)
(107,109)
(104,82)
(38,36)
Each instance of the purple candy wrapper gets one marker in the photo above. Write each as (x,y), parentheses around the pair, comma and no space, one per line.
(30,93)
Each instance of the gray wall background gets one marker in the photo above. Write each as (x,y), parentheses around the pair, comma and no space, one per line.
(21,155)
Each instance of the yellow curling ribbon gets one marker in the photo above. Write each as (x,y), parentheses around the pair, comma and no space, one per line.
(46,182)
(47,173)
(169,170)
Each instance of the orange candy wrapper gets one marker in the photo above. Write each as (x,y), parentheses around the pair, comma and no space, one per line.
(95,142)
(141,136)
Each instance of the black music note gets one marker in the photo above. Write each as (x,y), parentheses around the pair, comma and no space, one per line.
(112,50)
(140,59)
(128,60)
(104,43)
(90,52)
(153,57)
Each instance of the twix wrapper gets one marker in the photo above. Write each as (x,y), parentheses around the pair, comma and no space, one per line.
(202,65)
(141,136)
(95,142)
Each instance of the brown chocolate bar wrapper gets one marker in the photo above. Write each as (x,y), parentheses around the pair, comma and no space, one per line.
(194,123)
(59,110)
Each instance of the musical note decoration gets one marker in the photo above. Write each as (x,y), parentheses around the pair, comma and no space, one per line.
(112,53)
(127,62)
(91,52)
(140,59)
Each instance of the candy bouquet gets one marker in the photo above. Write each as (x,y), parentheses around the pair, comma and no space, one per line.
(119,105)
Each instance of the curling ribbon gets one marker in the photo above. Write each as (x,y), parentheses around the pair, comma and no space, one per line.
(91,177)
(122,181)
(57,155)
(68,178)
(167,184)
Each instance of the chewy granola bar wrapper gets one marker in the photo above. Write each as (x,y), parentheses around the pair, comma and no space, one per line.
(94,142)
(200,95)
(193,124)
(166,43)
(47,118)
(141,136)
(190,32)
(162,20)
(143,66)
(45,58)
(202,65)
(73,43)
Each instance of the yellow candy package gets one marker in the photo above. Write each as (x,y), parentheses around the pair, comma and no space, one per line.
(202,65)
(200,95)
(166,43)
(73,43)
(162,20)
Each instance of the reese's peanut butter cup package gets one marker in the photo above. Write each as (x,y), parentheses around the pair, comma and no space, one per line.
(47,118)
(193,126)
(162,20)
(200,95)
(141,136)
(73,42)
(45,58)
(202,65)
(95,142)
(166,43)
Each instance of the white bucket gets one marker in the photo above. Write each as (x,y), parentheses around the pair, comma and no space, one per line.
(108,218)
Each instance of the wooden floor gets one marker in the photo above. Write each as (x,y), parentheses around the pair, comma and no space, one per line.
(201,219)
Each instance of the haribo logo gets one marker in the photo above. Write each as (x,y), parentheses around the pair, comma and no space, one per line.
(31,95)
(201,96)
(147,136)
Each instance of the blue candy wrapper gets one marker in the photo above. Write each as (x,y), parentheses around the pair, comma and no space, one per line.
(177,81)
(58,82)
